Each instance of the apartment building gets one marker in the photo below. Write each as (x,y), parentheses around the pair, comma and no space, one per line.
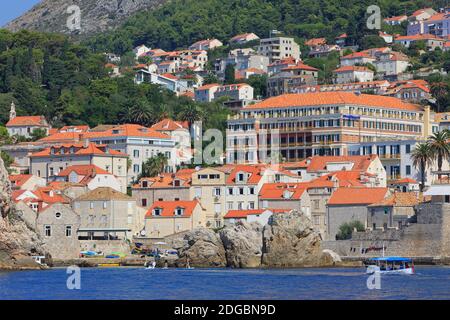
(431,41)
(416,21)
(242,59)
(278,48)
(240,95)
(391,63)
(357,58)
(290,78)
(438,24)
(303,125)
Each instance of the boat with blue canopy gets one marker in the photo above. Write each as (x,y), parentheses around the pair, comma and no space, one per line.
(390,265)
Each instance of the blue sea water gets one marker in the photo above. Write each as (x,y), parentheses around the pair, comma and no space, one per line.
(226,284)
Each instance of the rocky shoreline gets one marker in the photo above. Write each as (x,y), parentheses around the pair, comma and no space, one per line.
(287,241)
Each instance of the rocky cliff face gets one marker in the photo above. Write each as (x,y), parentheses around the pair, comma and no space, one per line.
(96,15)
(17,241)
(289,240)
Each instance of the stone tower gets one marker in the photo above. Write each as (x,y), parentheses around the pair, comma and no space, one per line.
(12,112)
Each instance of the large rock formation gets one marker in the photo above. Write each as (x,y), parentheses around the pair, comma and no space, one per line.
(96,15)
(17,241)
(289,240)
(243,245)
(203,248)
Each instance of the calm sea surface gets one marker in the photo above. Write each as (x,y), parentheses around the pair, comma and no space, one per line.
(227,284)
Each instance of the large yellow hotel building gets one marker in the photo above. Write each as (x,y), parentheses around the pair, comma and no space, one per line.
(323,123)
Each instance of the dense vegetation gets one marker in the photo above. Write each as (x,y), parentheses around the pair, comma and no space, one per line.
(49,75)
(181,22)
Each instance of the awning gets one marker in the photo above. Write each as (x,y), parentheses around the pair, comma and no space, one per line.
(438,190)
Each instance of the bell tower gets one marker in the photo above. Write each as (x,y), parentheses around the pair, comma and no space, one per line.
(12,112)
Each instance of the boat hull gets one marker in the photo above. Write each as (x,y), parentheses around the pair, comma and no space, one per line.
(373,269)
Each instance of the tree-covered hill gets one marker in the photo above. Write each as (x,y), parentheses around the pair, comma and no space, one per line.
(46,74)
(179,23)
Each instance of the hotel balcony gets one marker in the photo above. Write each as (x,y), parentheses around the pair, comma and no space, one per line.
(388,156)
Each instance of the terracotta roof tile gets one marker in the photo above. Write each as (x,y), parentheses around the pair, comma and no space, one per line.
(168,208)
(245,213)
(27,121)
(104,194)
(357,196)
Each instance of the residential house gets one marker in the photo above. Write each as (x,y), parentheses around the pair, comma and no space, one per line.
(405,185)
(108,214)
(357,58)
(165,187)
(206,93)
(242,59)
(166,218)
(431,41)
(91,176)
(391,63)
(293,196)
(243,38)
(410,90)
(139,143)
(350,74)
(240,95)
(140,51)
(393,212)
(291,78)
(24,126)
(416,21)
(206,45)
(386,37)
(57,225)
(350,204)
(341,40)
(40,198)
(396,20)
(26,182)
(209,188)
(438,24)
(51,161)
(278,48)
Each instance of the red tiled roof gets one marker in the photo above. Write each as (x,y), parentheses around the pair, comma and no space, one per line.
(418,37)
(277,191)
(27,121)
(334,98)
(400,199)
(300,66)
(19,180)
(253,171)
(397,18)
(63,137)
(128,130)
(355,55)
(352,68)
(357,196)
(170,125)
(82,170)
(169,207)
(315,42)
(319,163)
(79,149)
(404,181)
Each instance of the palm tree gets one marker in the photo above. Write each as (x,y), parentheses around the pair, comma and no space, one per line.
(422,157)
(154,166)
(439,147)
(190,113)
(142,114)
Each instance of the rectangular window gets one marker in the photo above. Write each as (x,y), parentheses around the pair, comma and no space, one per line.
(230,191)
(251,205)
(105,204)
(408,148)
(408,170)
(91,205)
(68,231)
(144,202)
(251,190)
(136,168)
(136,153)
(216,192)
(48,231)
(230,205)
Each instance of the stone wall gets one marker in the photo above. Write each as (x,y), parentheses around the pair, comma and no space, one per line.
(105,246)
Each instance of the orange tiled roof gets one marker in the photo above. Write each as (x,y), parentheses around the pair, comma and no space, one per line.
(27,121)
(18,180)
(82,170)
(79,149)
(49,195)
(400,199)
(357,196)
(166,180)
(62,137)
(170,125)
(355,55)
(300,66)
(396,18)
(81,128)
(334,98)
(352,68)
(277,191)
(169,207)
(129,130)
(319,163)
(315,42)
(404,181)
(418,37)
(253,171)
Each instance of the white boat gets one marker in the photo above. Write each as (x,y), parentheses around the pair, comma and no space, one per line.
(390,265)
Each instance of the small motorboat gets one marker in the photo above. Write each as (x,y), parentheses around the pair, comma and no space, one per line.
(391,265)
